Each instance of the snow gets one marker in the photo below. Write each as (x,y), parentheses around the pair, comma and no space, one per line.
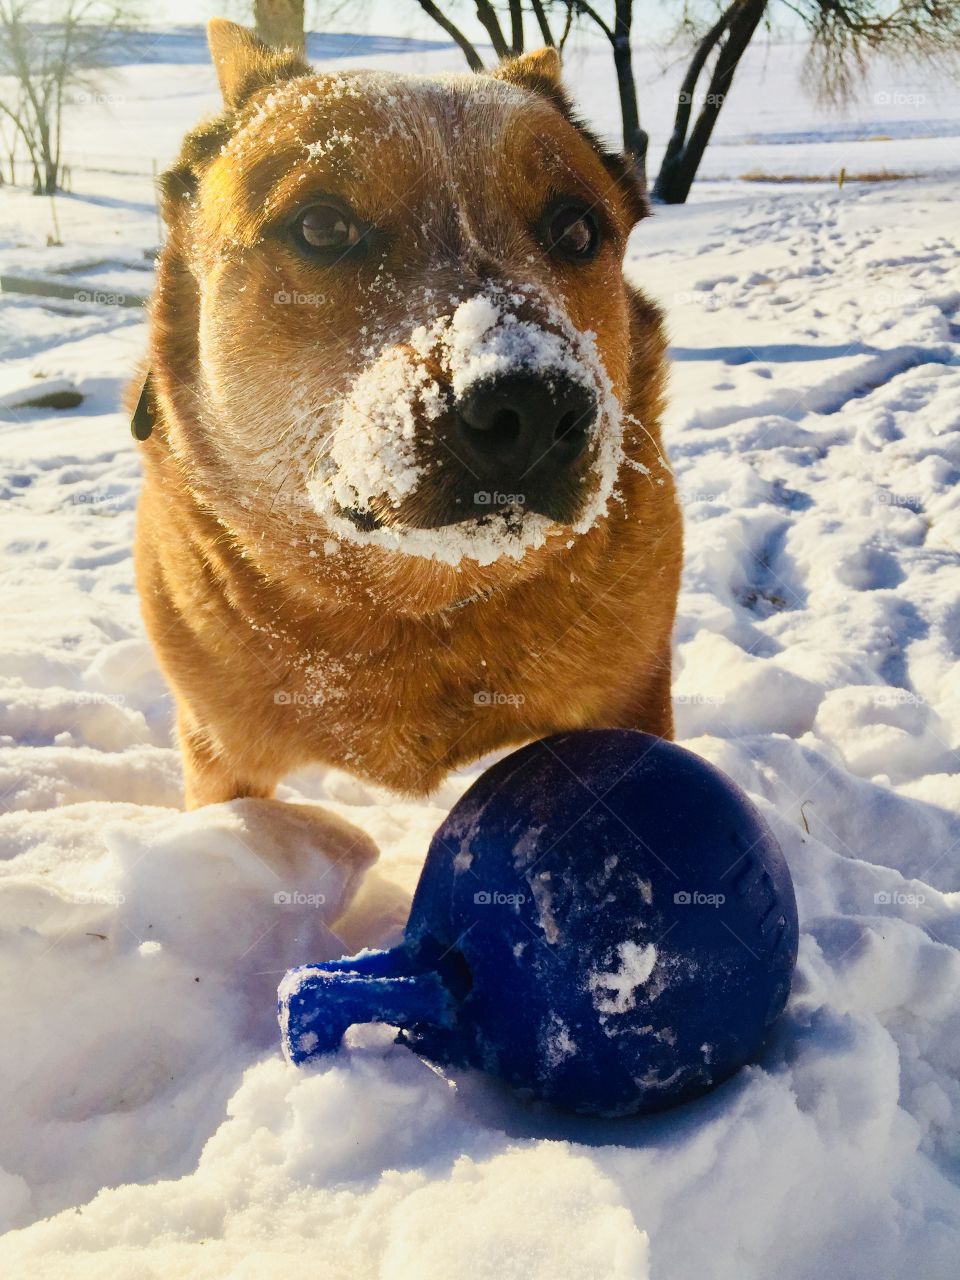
(615,991)
(480,340)
(372,451)
(373,443)
(148,1124)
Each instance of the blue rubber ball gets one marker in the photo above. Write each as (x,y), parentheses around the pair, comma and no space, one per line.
(617,921)
(604,921)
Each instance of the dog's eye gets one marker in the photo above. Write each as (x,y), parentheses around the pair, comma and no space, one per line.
(328,231)
(573,232)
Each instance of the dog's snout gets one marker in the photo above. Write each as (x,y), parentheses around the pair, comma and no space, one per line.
(524,423)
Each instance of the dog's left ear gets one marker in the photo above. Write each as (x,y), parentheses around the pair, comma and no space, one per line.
(539,72)
(245,64)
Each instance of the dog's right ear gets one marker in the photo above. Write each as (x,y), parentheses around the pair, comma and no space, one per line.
(245,64)
(538,71)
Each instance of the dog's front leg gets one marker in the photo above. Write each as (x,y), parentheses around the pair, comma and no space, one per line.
(649,706)
(209,776)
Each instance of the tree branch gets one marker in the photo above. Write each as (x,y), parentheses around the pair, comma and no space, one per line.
(491,24)
(583,7)
(567,26)
(688,86)
(474,61)
(541,16)
(516,26)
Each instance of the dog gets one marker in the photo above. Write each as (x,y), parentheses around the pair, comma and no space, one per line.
(405,500)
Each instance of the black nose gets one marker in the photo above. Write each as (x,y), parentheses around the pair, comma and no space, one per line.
(525,423)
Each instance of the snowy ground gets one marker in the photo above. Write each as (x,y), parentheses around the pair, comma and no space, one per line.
(148,1127)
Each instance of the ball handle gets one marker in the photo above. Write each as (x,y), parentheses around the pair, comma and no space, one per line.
(317,1003)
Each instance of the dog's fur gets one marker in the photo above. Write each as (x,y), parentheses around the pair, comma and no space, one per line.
(286,642)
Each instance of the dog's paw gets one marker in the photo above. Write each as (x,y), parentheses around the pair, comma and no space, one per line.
(256,883)
(294,839)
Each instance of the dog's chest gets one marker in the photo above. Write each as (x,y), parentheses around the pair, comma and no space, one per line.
(431,694)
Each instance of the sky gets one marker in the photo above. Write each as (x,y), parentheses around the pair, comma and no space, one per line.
(383,17)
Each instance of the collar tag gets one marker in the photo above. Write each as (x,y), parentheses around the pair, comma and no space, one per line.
(141,424)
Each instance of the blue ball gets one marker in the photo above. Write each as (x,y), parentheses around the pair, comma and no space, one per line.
(616,919)
(604,921)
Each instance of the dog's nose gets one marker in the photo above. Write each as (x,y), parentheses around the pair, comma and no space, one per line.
(521,423)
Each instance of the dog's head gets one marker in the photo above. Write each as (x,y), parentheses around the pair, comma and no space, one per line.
(413,326)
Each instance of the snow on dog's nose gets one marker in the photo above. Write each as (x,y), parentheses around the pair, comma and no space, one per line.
(373,445)
(481,410)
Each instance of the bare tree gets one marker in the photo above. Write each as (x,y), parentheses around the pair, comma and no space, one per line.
(47,53)
(14,108)
(843,36)
(727,39)
(8,139)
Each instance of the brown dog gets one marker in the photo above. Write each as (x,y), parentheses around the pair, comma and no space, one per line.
(404,501)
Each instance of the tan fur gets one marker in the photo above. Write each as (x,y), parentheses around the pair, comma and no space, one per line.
(282,644)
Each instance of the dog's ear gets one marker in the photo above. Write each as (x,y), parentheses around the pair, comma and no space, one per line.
(245,64)
(539,72)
